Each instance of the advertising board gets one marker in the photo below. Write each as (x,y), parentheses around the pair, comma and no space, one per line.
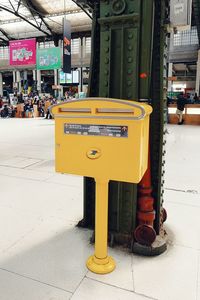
(22,52)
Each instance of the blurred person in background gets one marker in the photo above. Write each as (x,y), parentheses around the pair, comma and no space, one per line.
(28,108)
(181,101)
(41,109)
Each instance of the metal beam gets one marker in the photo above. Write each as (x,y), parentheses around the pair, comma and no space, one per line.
(83,6)
(24,19)
(5,34)
(11,5)
(86,3)
(34,11)
(3,40)
(75,35)
(18,5)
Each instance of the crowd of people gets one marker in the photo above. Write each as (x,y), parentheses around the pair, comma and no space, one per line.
(188,97)
(6,111)
(29,103)
(33,104)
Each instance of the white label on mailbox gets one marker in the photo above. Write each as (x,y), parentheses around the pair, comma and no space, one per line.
(178,8)
(96,130)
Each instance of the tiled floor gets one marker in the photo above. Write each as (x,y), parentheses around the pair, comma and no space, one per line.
(43,254)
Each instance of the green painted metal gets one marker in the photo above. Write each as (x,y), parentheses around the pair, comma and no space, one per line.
(130,40)
(196,12)
(158,96)
(146,46)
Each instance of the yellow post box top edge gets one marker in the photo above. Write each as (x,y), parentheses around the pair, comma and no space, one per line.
(79,107)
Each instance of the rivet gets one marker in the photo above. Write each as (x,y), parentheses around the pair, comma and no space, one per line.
(130,59)
(107,38)
(106,49)
(106,60)
(130,35)
(129,71)
(130,47)
(106,72)
(106,83)
(129,83)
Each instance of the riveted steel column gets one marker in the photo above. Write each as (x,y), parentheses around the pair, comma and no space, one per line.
(131,37)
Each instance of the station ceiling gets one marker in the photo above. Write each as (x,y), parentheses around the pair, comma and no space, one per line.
(38,18)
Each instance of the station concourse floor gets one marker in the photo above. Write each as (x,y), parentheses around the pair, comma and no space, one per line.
(43,254)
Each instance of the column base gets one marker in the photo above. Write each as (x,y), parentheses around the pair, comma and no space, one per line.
(158,247)
(100,266)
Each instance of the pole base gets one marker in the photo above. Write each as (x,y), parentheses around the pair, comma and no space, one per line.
(100,266)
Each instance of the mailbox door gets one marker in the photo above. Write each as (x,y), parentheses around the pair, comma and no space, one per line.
(121,157)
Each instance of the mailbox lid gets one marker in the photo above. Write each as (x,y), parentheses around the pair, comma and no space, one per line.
(101,108)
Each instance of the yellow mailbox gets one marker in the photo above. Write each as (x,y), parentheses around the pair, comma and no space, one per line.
(106,139)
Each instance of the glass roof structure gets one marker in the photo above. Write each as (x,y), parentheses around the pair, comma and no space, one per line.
(37,18)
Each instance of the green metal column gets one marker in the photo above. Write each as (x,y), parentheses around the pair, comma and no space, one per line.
(127,63)
(158,96)
(119,51)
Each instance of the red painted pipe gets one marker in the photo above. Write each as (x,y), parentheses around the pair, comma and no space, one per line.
(146,213)
(145,233)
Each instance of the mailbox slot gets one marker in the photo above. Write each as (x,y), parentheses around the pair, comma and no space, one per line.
(75,110)
(115,111)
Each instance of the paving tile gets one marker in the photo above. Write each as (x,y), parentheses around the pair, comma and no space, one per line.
(47,166)
(180,178)
(66,179)
(170,276)
(198,292)
(19,162)
(91,289)
(122,276)
(181,170)
(41,199)
(24,173)
(198,279)
(54,253)
(182,225)
(24,204)
(190,198)
(14,226)
(27,136)
(14,287)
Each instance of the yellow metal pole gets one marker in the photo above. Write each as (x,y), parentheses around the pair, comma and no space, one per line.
(101,219)
(100,262)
